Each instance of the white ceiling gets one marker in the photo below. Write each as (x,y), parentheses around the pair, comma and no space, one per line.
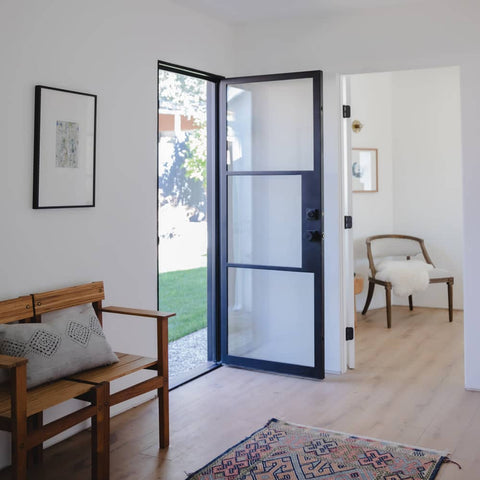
(245,11)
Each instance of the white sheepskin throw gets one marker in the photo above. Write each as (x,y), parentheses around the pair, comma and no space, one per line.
(406,276)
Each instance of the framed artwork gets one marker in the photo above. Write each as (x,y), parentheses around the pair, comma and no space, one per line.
(64,148)
(365,170)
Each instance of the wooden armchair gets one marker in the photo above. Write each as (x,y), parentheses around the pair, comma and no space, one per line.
(407,247)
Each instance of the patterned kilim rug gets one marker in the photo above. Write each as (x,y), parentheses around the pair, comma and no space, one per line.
(284,451)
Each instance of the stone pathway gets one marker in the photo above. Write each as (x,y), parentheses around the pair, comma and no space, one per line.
(187,353)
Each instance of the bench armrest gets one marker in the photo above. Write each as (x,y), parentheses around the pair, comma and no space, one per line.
(162,334)
(137,312)
(11,362)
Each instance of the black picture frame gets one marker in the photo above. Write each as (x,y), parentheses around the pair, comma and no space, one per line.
(64,162)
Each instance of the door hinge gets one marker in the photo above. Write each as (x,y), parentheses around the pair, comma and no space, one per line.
(348,222)
(347,111)
(349,333)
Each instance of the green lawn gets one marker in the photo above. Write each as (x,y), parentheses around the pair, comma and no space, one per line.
(185,293)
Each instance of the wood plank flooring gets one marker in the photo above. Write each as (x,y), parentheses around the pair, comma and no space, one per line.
(408,387)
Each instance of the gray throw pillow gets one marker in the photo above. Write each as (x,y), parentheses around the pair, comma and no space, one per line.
(66,342)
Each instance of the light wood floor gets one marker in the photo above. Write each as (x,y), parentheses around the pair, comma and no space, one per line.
(408,387)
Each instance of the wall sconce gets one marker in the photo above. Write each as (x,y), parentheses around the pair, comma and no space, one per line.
(357,126)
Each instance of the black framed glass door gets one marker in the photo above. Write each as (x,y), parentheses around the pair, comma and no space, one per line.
(271,223)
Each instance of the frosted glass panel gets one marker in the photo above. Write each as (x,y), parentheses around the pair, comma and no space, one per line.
(270,125)
(271,315)
(265,220)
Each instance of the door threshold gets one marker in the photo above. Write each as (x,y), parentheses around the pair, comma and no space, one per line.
(198,372)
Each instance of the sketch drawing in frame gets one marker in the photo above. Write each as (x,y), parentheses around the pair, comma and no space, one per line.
(364,170)
(64,148)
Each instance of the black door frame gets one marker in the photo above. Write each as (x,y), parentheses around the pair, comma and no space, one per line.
(213,227)
(311,182)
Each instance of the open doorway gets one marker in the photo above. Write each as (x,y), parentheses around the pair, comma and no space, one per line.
(186,199)
(411,120)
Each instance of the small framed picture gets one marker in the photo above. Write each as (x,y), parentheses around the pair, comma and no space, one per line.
(364,170)
(64,148)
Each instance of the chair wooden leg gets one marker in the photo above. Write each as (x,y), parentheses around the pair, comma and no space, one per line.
(101,434)
(19,422)
(388,297)
(410,302)
(371,288)
(450,301)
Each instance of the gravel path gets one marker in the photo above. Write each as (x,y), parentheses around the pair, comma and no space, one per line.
(187,353)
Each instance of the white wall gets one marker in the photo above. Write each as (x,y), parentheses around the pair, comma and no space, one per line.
(371,102)
(109,48)
(470,80)
(398,38)
(414,119)
(427,159)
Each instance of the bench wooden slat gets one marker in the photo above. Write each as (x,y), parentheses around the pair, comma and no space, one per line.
(16,309)
(153,383)
(127,364)
(45,396)
(68,297)
(57,426)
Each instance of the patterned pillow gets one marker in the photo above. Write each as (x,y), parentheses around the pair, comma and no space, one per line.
(66,342)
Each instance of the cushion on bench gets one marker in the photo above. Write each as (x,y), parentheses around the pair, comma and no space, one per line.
(66,342)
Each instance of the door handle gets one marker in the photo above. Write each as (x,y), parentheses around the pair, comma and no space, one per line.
(312,213)
(313,235)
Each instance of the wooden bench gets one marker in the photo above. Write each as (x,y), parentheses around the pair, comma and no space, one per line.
(21,410)
(95,381)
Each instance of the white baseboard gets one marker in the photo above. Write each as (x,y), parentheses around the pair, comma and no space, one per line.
(333,372)
(471,389)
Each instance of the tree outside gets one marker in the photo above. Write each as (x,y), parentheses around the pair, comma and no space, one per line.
(183,201)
